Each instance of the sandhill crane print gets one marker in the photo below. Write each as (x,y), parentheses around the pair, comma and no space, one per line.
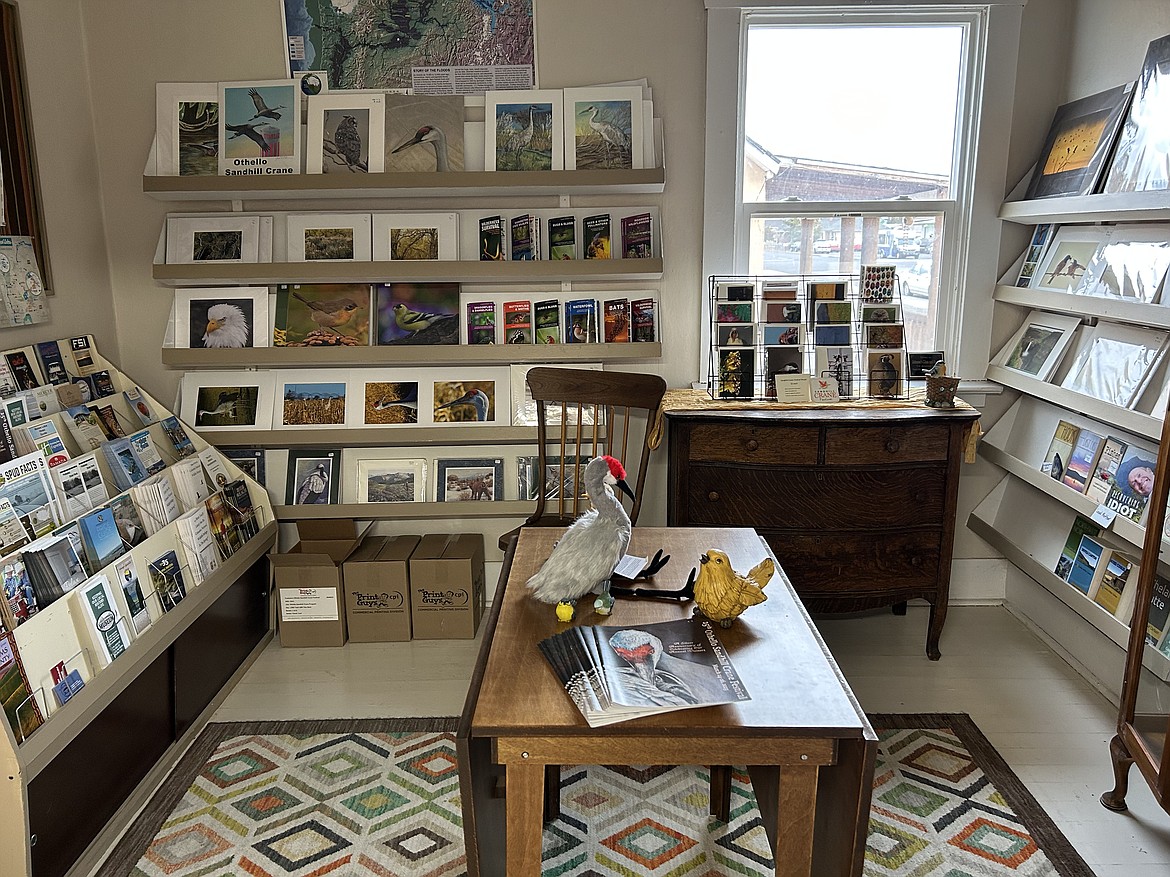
(314,404)
(602,134)
(259,120)
(524,136)
(424,133)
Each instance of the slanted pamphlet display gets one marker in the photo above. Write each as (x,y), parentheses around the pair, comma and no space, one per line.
(614,674)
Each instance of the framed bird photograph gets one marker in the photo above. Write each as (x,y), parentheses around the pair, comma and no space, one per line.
(424,133)
(388,402)
(312,476)
(310,399)
(186,129)
(227,400)
(524,406)
(345,134)
(603,128)
(259,128)
(563,476)
(1063,265)
(417,313)
(233,317)
(233,237)
(781,334)
(321,315)
(328,237)
(522,130)
(885,373)
(416,237)
(391,480)
(1039,345)
(471,480)
(482,399)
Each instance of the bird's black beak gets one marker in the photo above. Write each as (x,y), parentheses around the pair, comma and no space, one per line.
(625,488)
(703,558)
(413,140)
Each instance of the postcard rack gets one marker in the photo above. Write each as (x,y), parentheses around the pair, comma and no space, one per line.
(840,326)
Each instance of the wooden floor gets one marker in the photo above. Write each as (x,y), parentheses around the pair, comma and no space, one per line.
(1046,721)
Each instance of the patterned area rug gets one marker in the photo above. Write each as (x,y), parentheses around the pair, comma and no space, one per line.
(301,799)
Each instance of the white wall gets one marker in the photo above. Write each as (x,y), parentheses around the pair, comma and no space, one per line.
(1109,41)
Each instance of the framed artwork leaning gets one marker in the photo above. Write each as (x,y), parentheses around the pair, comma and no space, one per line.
(1039,345)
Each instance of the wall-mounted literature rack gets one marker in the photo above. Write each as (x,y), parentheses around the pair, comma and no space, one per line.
(1117,207)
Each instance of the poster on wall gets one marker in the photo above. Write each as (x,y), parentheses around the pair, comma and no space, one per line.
(23,301)
(438,47)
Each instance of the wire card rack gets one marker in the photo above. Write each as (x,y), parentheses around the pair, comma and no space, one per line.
(847,327)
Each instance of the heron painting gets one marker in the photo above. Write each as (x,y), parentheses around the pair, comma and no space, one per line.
(603,134)
(226,406)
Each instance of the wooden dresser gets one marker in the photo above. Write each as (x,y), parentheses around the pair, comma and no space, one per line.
(857,501)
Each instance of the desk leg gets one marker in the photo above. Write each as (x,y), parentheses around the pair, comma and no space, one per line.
(525,803)
(483,816)
(798,809)
(721,792)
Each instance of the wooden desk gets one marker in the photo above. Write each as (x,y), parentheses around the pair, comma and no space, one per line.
(857,500)
(808,747)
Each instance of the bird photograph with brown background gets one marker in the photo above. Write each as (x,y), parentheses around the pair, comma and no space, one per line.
(328,314)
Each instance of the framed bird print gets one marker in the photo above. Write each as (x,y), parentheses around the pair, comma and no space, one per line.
(523,130)
(417,313)
(480,399)
(346,131)
(1039,345)
(313,476)
(424,133)
(471,480)
(1063,265)
(603,128)
(223,317)
(259,128)
(309,399)
(328,237)
(186,133)
(524,406)
(227,400)
(885,373)
(321,315)
(416,237)
(391,480)
(233,237)
(387,397)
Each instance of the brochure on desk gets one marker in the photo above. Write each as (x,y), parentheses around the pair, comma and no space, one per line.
(614,674)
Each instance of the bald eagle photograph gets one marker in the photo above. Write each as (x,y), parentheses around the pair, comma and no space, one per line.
(206,319)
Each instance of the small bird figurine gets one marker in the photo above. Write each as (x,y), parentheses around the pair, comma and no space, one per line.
(722,594)
(416,321)
(227,326)
(584,558)
(330,314)
(476,398)
(938,370)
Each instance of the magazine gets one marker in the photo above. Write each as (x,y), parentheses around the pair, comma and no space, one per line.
(614,674)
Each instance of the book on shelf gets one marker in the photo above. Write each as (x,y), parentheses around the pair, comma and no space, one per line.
(238,500)
(80,485)
(198,543)
(614,674)
(1112,451)
(517,322)
(562,237)
(547,317)
(126,573)
(140,406)
(223,525)
(20,706)
(617,320)
(166,576)
(644,317)
(1156,624)
(1082,463)
(87,430)
(481,322)
(637,240)
(156,502)
(52,364)
(22,370)
(581,321)
(1109,589)
(1060,449)
(525,237)
(1082,574)
(20,599)
(177,436)
(98,617)
(1132,484)
(491,239)
(595,234)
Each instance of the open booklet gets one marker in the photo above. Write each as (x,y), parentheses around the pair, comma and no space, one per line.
(614,674)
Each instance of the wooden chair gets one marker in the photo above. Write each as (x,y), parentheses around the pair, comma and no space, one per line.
(581,414)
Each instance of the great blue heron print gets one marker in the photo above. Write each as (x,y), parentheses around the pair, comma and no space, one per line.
(612,137)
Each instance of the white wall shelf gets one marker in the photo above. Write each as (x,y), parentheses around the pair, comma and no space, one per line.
(1118,310)
(1117,207)
(373,436)
(383,511)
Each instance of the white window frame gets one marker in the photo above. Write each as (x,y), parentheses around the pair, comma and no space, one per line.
(971,246)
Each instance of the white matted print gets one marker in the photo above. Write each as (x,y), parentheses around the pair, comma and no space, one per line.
(222,317)
(260,130)
(186,132)
(603,128)
(1038,346)
(1067,258)
(473,398)
(328,237)
(415,237)
(522,131)
(388,397)
(225,401)
(230,238)
(346,133)
(885,372)
(469,480)
(524,406)
(310,399)
(424,133)
(391,480)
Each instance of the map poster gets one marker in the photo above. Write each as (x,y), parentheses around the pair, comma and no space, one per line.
(22,292)
(429,46)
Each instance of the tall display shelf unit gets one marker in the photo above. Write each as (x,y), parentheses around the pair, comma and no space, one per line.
(545,193)
(1029,514)
(76,782)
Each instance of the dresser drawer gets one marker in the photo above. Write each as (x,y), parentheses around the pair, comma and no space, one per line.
(744,443)
(816,499)
(841,564)
(865,445)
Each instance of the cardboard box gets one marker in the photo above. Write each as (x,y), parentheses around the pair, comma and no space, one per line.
(447,586)
(377,589)
(306,583)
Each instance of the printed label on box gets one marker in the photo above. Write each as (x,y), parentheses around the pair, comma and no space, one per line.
(308,604)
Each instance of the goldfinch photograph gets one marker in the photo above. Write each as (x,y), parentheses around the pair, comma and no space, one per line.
(418,313)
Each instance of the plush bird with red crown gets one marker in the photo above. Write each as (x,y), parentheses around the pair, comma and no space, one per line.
(583,559)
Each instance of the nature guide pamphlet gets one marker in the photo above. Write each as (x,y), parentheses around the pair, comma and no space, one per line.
(614,674)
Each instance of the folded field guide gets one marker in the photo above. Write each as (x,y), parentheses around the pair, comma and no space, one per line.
(156,502)
(198,543)
(614,674)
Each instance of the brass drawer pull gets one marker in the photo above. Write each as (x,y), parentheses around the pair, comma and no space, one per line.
(713,496)
(893,446)
(753,445)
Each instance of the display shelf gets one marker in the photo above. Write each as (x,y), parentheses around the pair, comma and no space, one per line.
(1116,207)
(71,719)
(408,355)
(369,511)
(1118,310)
(1004,511)
(449,184)
(1130,421)
(373,437)
(461,271)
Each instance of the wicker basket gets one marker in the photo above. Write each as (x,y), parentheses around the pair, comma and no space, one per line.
(940,391)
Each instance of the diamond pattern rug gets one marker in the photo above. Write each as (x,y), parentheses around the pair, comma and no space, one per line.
(381,798)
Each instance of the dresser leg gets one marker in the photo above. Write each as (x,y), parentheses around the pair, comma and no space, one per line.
(938,616)
(899,608)
(1114,799)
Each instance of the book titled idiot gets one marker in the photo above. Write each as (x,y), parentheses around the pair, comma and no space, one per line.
(614,674)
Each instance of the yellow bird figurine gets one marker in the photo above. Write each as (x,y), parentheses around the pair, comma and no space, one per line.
(722,594)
